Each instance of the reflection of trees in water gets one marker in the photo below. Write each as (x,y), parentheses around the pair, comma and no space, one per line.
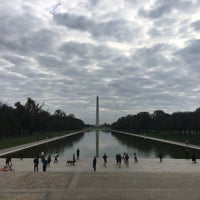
(50,148)
(146,146)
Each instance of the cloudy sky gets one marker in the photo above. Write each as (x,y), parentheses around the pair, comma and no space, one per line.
(136,55)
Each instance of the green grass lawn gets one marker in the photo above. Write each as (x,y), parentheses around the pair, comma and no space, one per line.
(15,141)
(173,137)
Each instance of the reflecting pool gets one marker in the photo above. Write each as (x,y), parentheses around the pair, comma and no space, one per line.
(107,142)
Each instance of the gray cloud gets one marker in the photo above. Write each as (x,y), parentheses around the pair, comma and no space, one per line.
(190,55)
(143,59)
(119,30)
(162,8)
(196,25)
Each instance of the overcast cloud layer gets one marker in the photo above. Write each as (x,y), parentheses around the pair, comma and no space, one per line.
(136,55)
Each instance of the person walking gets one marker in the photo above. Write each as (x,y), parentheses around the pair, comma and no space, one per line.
(8,162)
(94,163)
(105,159)
(56,157)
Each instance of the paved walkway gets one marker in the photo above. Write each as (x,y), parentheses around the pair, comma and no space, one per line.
(160,140)
(33,144)
(85,165)
(173,179)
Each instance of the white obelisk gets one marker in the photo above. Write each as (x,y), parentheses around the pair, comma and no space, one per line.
(97,112)
(97,127)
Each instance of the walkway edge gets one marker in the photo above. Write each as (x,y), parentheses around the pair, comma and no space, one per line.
(159,140)
(6,151)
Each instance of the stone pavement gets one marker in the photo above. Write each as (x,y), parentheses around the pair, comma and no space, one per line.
(173,179)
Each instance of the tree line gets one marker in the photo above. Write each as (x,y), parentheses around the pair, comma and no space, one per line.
(32,118)
(159,121)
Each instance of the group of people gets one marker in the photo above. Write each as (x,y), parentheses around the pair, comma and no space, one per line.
(119,158)
(125,157)
(188,155)
(45,162)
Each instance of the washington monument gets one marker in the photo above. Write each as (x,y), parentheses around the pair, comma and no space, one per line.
(97,112)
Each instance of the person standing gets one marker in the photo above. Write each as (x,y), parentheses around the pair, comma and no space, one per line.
(74,159)
(127,159)
(77,154)
(105,159)
(187,154)
(119,159)
(124,158)
(194,158)
(94,163)
(21,157)
(48,161)
(135,158)
(35,164)
(44,166)
(160,156)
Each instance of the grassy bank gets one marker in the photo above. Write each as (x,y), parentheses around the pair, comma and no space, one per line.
(173,137)
(15,141)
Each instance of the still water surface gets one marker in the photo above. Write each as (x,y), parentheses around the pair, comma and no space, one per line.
(109,143)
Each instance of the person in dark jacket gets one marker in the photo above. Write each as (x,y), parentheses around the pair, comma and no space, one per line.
(135,158)
(77,154)
(44,165)
(194,158)
(105,159)
(35,164)
(94,163)
(161,157)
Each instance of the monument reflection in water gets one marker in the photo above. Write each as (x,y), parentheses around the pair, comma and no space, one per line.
(97,127)
(99,142)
